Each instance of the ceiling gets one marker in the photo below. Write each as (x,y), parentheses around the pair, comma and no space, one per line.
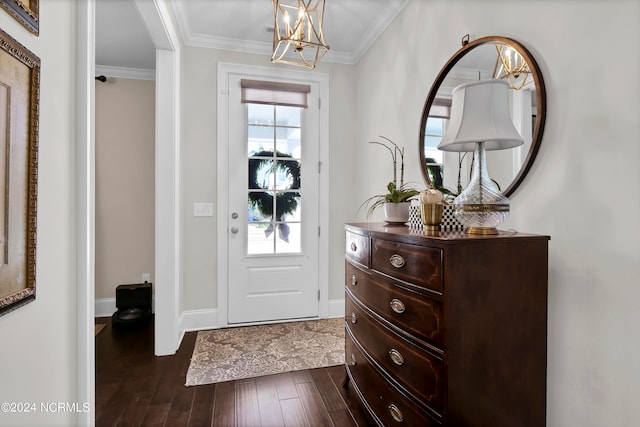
(350,27)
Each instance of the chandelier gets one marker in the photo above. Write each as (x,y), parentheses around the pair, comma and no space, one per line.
(512,67)
(298,42)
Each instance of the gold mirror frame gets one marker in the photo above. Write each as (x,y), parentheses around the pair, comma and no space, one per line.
(541,104)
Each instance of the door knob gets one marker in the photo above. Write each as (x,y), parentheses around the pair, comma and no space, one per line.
(235,230)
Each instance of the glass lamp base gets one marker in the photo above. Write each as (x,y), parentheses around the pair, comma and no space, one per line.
(481,207)
(481,219)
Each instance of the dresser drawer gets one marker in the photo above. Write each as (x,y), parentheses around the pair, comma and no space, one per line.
(357,248)
(419,265)
(421,373)
(389,405)
(412,312)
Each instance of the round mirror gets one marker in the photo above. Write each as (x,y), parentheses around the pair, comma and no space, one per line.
(486,58)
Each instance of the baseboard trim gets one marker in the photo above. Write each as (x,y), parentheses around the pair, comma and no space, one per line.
(105,307)
(198,320)
(336,308)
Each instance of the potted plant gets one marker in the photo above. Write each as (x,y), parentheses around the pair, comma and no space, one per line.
(397,200)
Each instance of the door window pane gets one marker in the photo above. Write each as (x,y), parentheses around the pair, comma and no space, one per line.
(260,114)
(289,237)
(288,141)
(274,184)
(287,116)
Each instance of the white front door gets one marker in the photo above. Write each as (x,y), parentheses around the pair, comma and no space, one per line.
(273,225)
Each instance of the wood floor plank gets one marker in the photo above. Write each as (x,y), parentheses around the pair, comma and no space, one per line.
(224,404)
(300,377)
(107,392)
(333,400)
(285,386)
(113,409)
(313,405)
(180,409)
(160,403)
(139,402)
(352,402)
(342,418)
(269,402)
(293,413)
(330,395)
(247,410)
(202,408)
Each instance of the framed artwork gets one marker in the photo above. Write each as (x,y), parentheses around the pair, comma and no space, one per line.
(25,11)
(19,105)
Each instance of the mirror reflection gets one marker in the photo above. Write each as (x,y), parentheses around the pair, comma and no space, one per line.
(486,58)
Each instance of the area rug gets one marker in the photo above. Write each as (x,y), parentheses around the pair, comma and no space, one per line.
(252,351)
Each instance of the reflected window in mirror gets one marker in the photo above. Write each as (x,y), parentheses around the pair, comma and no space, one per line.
(434,130)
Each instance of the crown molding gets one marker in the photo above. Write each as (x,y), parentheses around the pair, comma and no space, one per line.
(126,73)
(385,19)
(190,38)
(258,48)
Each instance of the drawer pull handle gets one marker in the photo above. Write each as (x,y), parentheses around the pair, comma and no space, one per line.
(354,280)
(396,413)
(397,261)
(353,359)
(354,247)
(396,357)
(353,318)
(397,306)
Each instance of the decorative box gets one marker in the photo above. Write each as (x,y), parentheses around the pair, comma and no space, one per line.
(449,221)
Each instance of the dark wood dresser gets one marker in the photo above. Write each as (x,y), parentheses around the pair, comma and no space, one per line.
(446,329)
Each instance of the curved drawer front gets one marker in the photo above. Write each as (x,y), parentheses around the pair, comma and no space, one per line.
(387,403)
(419,265)
(414,313)
(357,247)
(419,372)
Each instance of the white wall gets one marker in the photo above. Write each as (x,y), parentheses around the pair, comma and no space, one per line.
(583,190)
(38,350)
(199,108)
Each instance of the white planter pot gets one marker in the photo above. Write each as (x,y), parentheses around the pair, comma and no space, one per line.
(396,213)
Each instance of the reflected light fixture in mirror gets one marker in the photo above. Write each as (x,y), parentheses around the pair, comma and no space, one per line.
(479,60)
(300,42)
(512,67)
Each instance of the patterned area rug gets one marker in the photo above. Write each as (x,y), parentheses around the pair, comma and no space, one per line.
(252,351)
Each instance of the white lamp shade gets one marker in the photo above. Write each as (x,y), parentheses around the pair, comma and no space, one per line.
(480,113)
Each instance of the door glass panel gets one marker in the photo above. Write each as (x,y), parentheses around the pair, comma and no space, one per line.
(273,188)
(288,141)
(260,238)
(260,207)
(287,116)
(287,175)
(260,139)
(260,114)
(289,237)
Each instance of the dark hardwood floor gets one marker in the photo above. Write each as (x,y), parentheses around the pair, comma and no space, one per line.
(134,388)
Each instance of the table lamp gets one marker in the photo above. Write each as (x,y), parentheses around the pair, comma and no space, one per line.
(480,120)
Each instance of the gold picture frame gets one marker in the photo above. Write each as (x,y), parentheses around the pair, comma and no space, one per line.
(19,106)
(27,12)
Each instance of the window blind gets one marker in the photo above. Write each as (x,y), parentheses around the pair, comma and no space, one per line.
(274,93)
(440,108)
